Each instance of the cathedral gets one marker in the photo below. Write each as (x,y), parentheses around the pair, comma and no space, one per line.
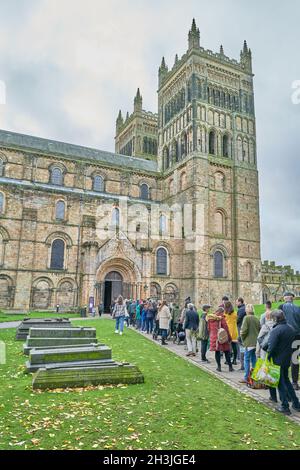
(173,213)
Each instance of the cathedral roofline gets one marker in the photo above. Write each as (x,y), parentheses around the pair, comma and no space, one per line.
(16,141)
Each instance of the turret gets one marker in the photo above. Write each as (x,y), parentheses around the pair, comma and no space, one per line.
(162,71)
(120,121)
(246,58)
(194,37)
(138,101)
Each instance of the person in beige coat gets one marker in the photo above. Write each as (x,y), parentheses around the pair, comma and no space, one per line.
(164,317)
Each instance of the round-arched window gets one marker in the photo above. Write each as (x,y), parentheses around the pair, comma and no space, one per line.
(162,261)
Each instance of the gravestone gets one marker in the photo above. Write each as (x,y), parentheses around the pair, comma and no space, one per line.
(27,350)
(23,329)
(47,337)
(86,375)
(63,356)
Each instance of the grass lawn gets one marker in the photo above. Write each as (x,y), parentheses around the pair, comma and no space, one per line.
(5,317)
(260,309)
(178,407)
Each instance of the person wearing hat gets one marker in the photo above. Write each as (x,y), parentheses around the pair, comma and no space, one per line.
(203,332)
(292,316)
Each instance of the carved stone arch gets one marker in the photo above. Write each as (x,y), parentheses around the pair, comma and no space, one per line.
(219,247)
(7,291)
(221,221)
(3,161)
(59,165)
(171,293)
(155,291)
(4,234)
(127,268)
(66,293)
(41,293)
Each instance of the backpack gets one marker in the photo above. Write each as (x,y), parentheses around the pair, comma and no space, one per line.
(222,335)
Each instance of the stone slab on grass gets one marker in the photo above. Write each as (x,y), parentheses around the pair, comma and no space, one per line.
(114,374)
(62,332)
(40,344)
(23,329)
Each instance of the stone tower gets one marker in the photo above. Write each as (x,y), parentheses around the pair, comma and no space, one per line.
(137,135)
(207,136)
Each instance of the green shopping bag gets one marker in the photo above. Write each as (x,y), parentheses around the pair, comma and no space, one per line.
(266,372)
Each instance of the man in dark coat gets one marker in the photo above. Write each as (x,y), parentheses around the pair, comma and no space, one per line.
(292,315)
(191,326)
(280,350)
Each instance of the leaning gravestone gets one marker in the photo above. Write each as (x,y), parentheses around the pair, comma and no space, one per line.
(23,329)
(50,338)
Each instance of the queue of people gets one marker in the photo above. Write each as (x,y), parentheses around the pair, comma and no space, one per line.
(234,335)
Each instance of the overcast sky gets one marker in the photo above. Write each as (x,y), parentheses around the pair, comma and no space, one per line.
(69,65)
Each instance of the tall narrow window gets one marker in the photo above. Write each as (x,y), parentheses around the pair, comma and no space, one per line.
(56,176)
(162,262)
(225,146)
(98,184)
(144,191)
(60,210)
(1,167)
(1,203)
(212,143)
(57,254)
(162,225)
(218,264)
(116,217)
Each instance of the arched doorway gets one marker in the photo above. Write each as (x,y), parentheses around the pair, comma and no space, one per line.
(113,287)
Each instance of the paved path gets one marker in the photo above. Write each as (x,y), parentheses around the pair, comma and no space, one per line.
(230,378)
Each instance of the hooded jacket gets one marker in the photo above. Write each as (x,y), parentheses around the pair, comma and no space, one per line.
(281,339)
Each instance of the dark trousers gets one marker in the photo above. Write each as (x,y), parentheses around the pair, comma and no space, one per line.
(204,344)
(149,325)
(234,347)
(218,358)
(285,388)
(295,367)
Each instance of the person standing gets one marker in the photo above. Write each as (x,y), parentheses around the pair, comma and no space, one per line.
(138,316)
(150,315)
(191,326)
(164,317)
(249,334)
(268,311)
(280,350)
(100,309)
(262,343)
(241,313)
(119,314)
(215,322)
(231,320)
(203,332)
(132,313)
(292,315)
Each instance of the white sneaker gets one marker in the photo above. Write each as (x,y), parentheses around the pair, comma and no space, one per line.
(117,331)
(121,333)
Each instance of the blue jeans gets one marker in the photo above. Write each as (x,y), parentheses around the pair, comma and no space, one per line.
(149,325)
(250,356)
(120,323)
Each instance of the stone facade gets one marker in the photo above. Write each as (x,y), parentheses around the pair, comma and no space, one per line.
(278,279)
(79,225)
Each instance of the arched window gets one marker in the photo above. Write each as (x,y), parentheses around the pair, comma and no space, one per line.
(182,181)
(166,158)
(60,210)
(219,181)
(144,191)
(183,145)
(56,176)
(98,184)
(116,217)
(249,271)
(225,146)
(1,203)
(57,254)
(219,223)
(162,225)
(212,138)
(162,262)
(218,264)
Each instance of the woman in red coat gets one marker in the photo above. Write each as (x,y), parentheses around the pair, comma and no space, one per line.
(215,321)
